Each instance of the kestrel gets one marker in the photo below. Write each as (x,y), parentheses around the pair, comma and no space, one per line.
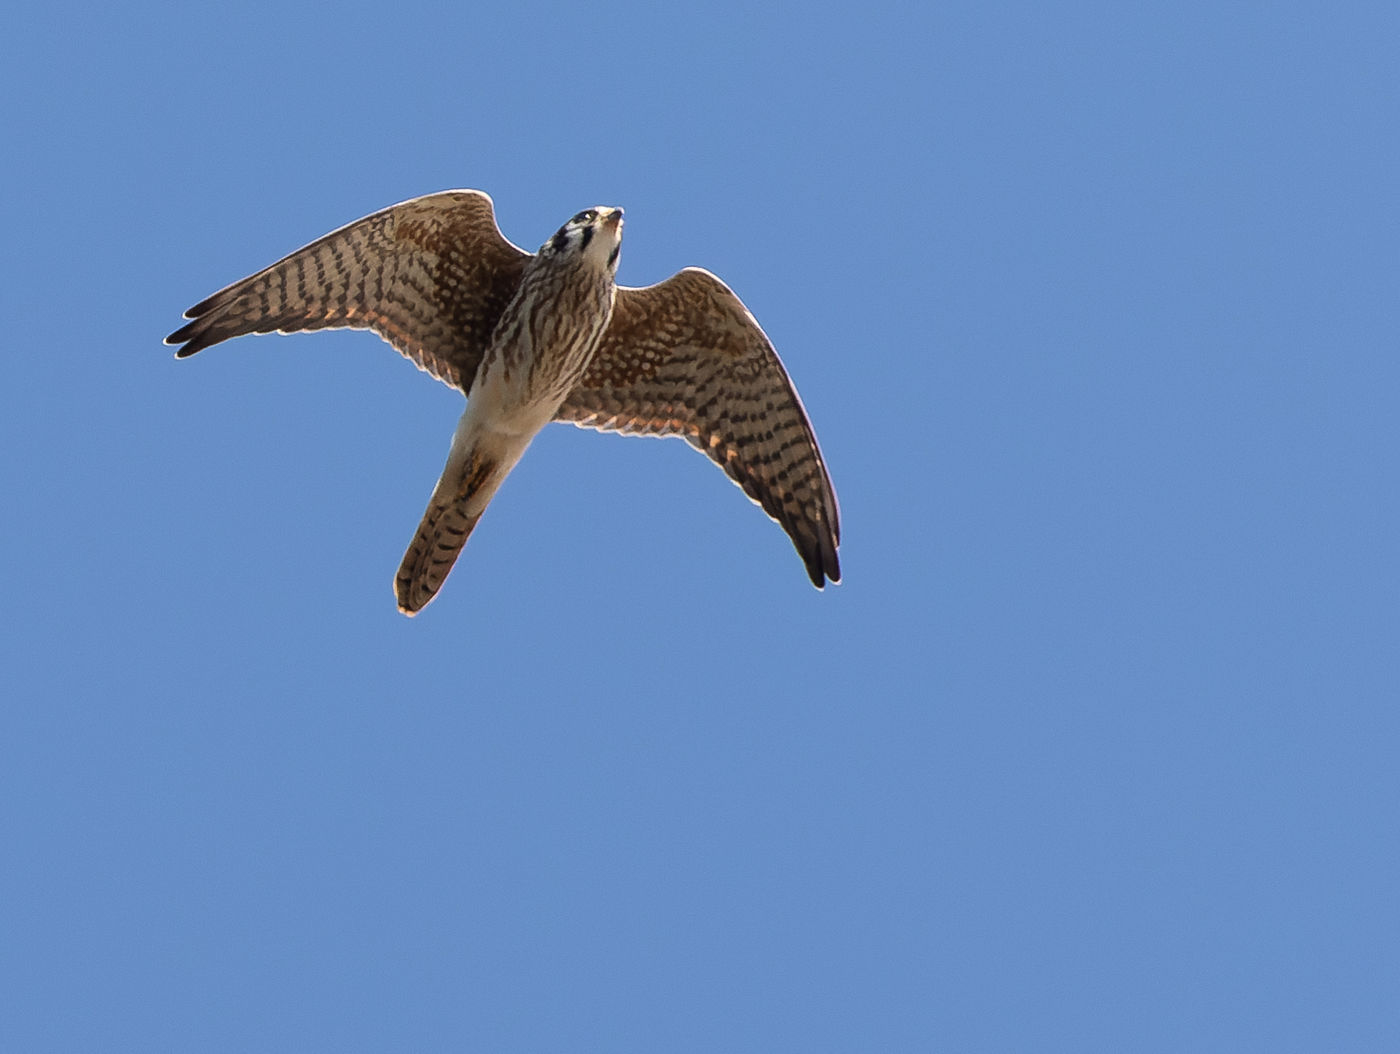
(534,338)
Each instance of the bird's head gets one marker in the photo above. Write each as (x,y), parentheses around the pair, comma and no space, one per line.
(594,235)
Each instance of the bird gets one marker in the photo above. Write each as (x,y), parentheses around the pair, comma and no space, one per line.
(532,338)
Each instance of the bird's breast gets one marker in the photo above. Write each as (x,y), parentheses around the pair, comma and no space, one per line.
(540,349)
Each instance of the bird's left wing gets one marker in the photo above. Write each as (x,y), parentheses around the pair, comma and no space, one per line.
(684,357)
(431,276)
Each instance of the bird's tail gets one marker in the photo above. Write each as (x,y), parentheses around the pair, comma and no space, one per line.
(467,485)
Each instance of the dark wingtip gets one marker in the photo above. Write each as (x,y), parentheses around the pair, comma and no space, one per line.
(823,566)
(185,335)
(188,334)
(207,304)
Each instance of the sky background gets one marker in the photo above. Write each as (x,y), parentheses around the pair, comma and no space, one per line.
(1094,309)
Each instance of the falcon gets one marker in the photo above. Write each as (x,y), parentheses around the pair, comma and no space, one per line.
(531,338)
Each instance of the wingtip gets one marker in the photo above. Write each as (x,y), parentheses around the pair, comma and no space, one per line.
(823,563)
(184,335)
(195,337)
(821,572)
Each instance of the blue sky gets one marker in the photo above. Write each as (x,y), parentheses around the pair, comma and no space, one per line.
(1093,307)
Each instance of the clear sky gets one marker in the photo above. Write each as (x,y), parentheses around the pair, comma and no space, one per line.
(1094,308)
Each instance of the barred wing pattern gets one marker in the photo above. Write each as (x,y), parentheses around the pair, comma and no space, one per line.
(684,357)
(431,276)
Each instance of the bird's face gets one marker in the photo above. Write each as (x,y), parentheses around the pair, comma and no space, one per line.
(594,236)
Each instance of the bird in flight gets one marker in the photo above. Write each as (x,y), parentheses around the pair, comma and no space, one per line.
(532,338)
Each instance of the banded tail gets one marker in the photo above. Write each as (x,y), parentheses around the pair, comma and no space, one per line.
(467,485)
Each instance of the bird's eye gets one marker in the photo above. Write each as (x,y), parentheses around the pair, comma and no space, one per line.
(586,216)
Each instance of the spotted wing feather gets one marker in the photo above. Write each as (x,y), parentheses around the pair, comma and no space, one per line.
(684,357)
(431,276)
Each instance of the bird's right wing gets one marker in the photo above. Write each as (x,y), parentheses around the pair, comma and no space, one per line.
(431,276)
(684,357)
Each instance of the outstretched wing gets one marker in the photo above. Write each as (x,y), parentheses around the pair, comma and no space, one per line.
(684,357)
(431,276)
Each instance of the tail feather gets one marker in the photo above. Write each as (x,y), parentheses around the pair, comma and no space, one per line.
(430,557)
(456,506)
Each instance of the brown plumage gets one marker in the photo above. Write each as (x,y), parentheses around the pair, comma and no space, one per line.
(431,276)
(534,337)
(684,357)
